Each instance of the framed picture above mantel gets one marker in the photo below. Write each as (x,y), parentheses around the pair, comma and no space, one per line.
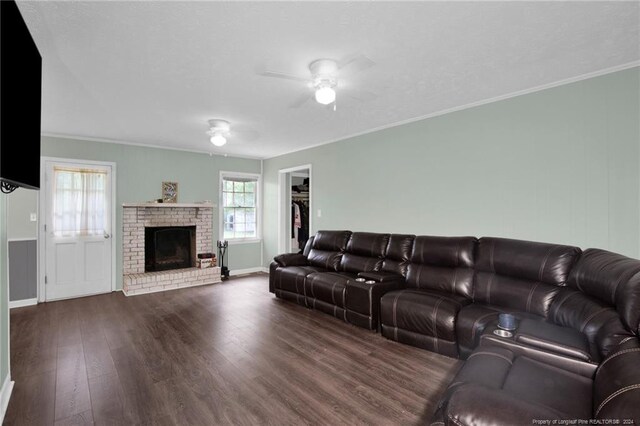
(169,192)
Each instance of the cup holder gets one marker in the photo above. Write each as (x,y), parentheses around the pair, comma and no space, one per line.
(503,333)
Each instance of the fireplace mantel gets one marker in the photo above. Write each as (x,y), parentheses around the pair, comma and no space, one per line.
(170,205)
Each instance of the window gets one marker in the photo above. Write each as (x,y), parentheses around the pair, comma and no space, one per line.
(240,195)
(79,202)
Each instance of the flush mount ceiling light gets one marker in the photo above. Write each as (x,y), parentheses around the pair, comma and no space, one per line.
(218,130)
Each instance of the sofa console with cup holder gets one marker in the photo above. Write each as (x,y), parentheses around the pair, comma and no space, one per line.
(548,332)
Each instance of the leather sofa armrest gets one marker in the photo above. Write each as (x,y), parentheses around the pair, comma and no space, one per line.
(473,404)
(577,366)
(364,298)
(550,346)
(554,338)
(291,259)
(381,277)
(380,288)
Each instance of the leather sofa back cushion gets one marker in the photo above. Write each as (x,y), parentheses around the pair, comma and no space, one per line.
(353,263)
(526,260)
(613,279)
(443,264)
(307,247)
(597,320)
(331,240)
(327,247)
(518,294)
(449,280)
(368,244)
(452,252)
(398,252)
(325,259)
(616,389)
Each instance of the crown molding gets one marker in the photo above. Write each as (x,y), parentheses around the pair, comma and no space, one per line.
(142,145)
(563,82)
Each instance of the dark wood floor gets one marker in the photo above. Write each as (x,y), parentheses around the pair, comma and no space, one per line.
(229,353)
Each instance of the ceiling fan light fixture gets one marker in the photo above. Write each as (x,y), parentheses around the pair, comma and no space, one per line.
(218,140)
(218,130)
(325,95)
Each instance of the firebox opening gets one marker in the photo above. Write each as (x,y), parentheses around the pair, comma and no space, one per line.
(169,247)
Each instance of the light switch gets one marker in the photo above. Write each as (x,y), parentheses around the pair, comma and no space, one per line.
(319,213)
(33,217)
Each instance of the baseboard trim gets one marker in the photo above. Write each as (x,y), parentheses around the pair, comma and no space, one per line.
(5,395)
(247,271)
(23,303)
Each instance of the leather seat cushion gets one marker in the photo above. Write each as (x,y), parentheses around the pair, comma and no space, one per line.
(531,380)
(425,312)
(525,379)
(291,278)
(487,366)
(328,287)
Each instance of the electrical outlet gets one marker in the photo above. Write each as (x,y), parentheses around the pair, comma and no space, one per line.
(319,213)
(33,217)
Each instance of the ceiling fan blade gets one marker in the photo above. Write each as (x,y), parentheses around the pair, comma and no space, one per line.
(243,133)
(355,64)
(302,99)
(282,75)
(360,95)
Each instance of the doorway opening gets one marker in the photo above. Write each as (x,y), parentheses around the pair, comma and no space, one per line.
(295,207)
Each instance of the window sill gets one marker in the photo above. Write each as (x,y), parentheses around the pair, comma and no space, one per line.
(244,241)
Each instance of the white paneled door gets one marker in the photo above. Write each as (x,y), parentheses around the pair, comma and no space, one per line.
(77,229)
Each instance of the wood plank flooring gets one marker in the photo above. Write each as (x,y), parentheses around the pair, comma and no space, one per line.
(229,353)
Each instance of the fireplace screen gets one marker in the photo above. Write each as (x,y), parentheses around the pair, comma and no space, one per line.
(169,247)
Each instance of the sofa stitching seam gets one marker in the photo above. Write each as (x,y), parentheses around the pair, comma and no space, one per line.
(544,263)
(434,320)
(590,317)
(622,352)
(615,394)
(530,298)
(491,354)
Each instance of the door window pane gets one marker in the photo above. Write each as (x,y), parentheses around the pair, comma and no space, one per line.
(79,202)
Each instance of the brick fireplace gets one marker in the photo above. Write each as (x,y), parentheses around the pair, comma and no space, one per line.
(188,227)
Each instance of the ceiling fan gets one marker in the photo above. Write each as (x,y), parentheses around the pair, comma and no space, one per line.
(324,80)
(220,131)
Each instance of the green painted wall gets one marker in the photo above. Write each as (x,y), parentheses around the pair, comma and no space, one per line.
(559,165)
(141,171)
(4,292)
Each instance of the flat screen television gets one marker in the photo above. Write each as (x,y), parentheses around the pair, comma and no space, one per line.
(20,103)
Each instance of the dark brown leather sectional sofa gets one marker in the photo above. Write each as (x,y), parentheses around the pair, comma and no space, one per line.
(575,354)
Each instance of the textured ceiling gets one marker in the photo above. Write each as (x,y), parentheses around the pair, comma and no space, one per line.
(155,72)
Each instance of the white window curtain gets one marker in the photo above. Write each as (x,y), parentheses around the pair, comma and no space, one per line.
(79,202)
